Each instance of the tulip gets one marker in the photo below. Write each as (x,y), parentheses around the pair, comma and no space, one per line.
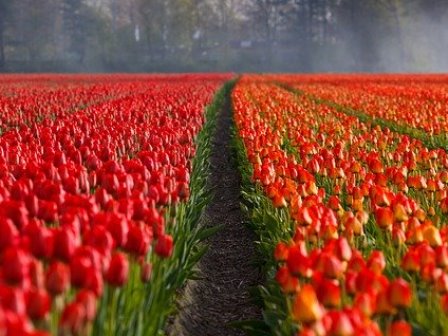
(118,271)
(444,303)
(399,328)
(400,213)
(432,235)
(64,244)
(281,252)
(73,319)
(400,293)
(341,325)
(330,266)
(384,217)
(118,227)
(329,293)
(366,303)
(38,303)
(288,283)
(441,256)
(377,262)
(343,249)
(383,304)
(18,265)
(164,246)
(88,301)
(57,278)
(306,308)
(441,283)
(298,263)
(138,240)
(8,233)
(145,272)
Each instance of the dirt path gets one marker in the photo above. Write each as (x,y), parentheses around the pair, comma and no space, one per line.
(227,269)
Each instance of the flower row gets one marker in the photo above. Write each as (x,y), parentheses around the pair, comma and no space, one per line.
(341,179)
(87,200)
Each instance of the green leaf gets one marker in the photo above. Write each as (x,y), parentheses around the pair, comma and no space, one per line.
(252,327)
(208,232)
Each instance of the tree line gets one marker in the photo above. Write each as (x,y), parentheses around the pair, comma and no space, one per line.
(223,35)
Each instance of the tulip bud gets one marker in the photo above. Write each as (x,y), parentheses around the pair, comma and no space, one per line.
(18,264)
(145,272)
(118,226)
(281,252)
(384,217)
(400,214)
(376,262)
(88,301)
(432,235)
(64,244)
(73,319)
(164,246)
(306,308)
(399,328)
(341,325)
(298,263)
(117,274)
(8,233)
(411,262)
(57,278)
(441,283)
(444,303)
(38,304)
(138,240)
(400,293)
(329,293)
(366,303)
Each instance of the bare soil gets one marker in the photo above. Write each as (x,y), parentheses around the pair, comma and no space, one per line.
(227,269)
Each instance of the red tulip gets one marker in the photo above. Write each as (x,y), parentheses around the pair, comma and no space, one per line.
(117,274)
(73,319)
(400,293)
(64,244)
(341,325)
(288,283)
(18,262)
(118,226)
(38,303)
(281,252)
(329,293)
(164,246)
(298,263)
(88,301)
(57,278)
(145,272)
(399,328)
(8,233)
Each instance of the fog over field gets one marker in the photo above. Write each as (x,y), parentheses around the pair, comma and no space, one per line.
(224,35)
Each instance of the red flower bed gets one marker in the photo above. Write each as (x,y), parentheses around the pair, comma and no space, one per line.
(86,195)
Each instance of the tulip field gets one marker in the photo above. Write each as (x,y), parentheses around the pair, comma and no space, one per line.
(98,177)
(346,185)
(103,183)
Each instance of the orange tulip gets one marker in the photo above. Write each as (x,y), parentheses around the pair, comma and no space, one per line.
(384,217)
(306,307)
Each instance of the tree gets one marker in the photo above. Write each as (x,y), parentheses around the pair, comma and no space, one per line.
(74,16)
(5,7)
